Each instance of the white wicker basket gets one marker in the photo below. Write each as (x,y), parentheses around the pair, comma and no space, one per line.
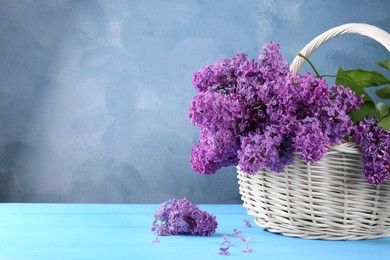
(324,200)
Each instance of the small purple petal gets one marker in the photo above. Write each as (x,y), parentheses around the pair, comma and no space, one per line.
(156,241)
(236,233)
(247,223)
(247,250)
(224,251)
(226,240)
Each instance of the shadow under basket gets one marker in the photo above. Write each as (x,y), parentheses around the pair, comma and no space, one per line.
(325,200)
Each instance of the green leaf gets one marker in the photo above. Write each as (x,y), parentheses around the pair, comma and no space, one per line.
(384,64)
(383,93)
(344,79)
(385,123)
(366,109)
(383,109)
(364,78)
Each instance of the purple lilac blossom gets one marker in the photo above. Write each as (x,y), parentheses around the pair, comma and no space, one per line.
(215,112)
(156,240)
(271,62)
(236,233)
(246,241)
(270,149)
(226,240)
(219,77)
(182,217)
(247,250)
(375,145)
(257,114)
(224,250)
(214,150)
(338,123)
(311,140)
(247,223)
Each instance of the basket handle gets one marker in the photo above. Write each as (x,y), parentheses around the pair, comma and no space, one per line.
(373,32)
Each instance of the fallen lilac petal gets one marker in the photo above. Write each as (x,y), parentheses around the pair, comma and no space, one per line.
(236,233)
(225,238)
(247,223)
(156,241)
(242,239)
(247,250)
(228,243)
(223,251)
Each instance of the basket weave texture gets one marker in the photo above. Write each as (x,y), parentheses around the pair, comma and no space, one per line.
(328,199)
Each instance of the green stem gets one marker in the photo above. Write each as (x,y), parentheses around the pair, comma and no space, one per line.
(329,76)
(311,64)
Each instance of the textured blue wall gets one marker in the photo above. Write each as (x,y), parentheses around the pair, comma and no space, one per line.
(94,95)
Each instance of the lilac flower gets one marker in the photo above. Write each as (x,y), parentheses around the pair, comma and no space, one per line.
(242,239)
(246,241)
(375,145)
(334,115)
(236,233)
(270,150)
(271,62)
(257,114)
(215,111)
(247,250)
(223,250)
(182,217)
(156,241)
(214,150)
(249,82)
(219,77)
(160,229)
(251,158)
(345,99)
(247,223)
(311,140)
(226,240)
(205,224)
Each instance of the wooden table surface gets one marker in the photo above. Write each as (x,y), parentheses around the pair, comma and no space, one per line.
(119,231)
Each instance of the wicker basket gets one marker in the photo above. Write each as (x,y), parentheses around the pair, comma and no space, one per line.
(324,200)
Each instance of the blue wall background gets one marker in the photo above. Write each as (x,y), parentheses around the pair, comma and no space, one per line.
(94,95)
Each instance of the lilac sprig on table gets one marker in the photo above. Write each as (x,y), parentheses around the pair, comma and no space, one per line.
(182,217)
(256,114)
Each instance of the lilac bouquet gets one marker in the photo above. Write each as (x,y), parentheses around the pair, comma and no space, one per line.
(258,114)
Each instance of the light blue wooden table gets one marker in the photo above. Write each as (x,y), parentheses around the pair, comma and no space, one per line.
(111,231)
